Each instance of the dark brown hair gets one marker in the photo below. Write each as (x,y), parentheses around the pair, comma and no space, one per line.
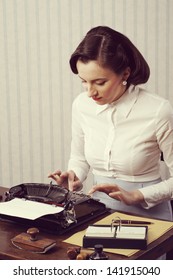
(114,51)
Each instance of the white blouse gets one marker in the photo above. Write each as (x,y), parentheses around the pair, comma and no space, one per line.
(124,140)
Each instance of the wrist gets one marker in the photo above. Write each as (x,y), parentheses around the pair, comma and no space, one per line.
(137,197)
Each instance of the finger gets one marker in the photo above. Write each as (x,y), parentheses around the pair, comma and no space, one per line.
(64,175)
(116,195)
(56,178)
(76,185)
(71,179)
(55,173)
(123,196)
(93,189)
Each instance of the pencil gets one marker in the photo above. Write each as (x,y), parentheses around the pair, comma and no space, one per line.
(134,222)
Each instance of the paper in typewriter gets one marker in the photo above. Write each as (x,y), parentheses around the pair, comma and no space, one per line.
(27,209)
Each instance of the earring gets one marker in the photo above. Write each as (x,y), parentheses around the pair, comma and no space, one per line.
(124,83)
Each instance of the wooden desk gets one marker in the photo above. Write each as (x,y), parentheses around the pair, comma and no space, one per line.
(8,252)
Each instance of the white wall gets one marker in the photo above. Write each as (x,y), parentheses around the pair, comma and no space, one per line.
(37,87)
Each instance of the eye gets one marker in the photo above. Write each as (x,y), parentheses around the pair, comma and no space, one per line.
(100,83)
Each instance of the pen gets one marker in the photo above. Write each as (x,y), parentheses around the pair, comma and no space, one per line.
(134,222)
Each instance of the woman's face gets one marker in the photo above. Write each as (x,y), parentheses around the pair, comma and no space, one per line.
(102,84)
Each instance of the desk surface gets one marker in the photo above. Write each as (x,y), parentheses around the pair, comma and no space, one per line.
(8,252)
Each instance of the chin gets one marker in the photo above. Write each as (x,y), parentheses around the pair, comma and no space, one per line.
(101,102)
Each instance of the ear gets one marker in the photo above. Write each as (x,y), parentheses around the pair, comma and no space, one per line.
(126,73)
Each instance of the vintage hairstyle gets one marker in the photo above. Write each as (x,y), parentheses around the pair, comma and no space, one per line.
(114,51)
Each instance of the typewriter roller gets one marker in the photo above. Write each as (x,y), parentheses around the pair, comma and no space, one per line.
(39,192)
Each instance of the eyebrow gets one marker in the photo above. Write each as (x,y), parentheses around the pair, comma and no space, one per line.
(94,80)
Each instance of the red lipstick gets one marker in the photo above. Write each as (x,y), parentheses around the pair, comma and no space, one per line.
(95,98)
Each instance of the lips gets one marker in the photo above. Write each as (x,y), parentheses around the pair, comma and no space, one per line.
(95,98)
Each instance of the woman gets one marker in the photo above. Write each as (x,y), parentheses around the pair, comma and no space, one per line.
(119,129)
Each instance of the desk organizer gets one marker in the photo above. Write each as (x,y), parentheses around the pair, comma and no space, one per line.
(125,237)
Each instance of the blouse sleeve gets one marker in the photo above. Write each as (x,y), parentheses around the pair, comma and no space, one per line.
(162,191)
(77,161)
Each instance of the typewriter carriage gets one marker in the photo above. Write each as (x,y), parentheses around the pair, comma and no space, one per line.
(45,193)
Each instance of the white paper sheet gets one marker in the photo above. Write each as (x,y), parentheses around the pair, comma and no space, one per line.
(99,231)
(131,232)
(27,209)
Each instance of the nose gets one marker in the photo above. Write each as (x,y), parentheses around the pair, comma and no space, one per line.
(91,91)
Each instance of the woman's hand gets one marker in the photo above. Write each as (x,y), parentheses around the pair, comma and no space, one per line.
(116,192)
(67,179)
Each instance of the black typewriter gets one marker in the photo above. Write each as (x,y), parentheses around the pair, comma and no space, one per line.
(78,208)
